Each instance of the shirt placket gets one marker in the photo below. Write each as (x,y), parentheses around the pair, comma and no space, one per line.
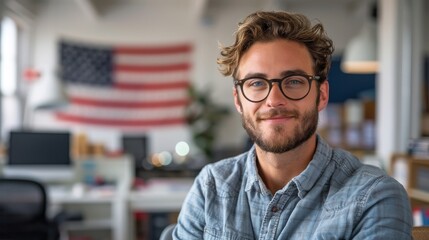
(273,213)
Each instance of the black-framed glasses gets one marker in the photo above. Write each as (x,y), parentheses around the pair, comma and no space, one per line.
(293,87)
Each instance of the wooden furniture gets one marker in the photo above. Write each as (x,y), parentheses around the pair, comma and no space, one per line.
(418,184)
(420,233)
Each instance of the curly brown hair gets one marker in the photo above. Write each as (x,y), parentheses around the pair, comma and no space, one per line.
(267,26)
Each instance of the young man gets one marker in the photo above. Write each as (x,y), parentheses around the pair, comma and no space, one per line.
(291,184)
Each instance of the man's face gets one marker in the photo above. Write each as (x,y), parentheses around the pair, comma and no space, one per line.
(278,124)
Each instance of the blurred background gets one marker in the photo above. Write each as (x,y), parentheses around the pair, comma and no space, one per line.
(138,78)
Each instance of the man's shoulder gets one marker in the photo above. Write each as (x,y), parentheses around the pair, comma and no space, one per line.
(226,174)
(225,167)
(361,180)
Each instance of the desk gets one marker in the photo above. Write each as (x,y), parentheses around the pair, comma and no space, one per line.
(79,193)
(103,207)
(158,195)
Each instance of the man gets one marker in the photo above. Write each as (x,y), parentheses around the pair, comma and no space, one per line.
(291,184)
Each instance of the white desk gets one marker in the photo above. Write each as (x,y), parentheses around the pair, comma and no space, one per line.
(81,194)
(85,199)
(160,195)
(103,207)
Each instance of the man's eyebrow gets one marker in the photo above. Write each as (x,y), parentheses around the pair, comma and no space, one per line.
(255,74)
(292,72)
(282,74)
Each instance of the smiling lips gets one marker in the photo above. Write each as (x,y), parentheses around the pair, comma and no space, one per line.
(278,114)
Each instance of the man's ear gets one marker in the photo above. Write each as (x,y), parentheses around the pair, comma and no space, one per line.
(237,101)
(324,95)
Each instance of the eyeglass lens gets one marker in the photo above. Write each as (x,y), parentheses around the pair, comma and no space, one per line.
(293,87)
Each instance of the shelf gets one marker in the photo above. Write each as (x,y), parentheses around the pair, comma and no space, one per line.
(418,195)
(88,225)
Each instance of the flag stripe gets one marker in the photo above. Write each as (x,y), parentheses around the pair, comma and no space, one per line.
(153,86)
(131,113)
(126,95)
(133,60)
(185,48)
(118,122)
(159,77)
(148,68)
(113,104)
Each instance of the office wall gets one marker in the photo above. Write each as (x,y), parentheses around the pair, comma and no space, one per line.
(169,21)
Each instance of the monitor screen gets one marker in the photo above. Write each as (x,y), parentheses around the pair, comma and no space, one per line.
(36,154)
(137,147)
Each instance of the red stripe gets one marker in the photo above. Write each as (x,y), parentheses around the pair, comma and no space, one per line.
(144,69)
(186,48)
(129,123)
(152,86)
(116,104)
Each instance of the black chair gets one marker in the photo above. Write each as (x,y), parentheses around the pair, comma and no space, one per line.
(167,233)
(23,205)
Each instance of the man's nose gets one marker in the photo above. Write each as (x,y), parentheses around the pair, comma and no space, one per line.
(275,97)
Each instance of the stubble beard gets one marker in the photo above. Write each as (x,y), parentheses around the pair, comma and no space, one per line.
(281,144)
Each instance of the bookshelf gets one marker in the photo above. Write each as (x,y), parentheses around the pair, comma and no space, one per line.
(413,173)
(418,183)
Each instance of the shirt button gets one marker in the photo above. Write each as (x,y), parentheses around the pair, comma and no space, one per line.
(274,209)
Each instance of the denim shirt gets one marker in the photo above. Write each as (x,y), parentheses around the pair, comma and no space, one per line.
(335,197)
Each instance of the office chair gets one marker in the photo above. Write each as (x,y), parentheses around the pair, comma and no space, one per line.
(167,233)
(23,204)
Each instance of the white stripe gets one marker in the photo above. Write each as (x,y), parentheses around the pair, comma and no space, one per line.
(119,95)
(124,114)
(152,60)
(168,77)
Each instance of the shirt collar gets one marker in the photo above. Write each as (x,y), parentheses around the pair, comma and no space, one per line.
(308,178)
(304,181)
(252,170)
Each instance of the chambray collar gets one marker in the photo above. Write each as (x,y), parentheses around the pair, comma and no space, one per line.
(304,181)
(252,171)
(317,166)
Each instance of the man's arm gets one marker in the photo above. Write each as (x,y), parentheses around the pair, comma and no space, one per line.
(386,213)
(191,221)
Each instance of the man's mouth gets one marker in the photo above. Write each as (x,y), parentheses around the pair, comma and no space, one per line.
(278,114)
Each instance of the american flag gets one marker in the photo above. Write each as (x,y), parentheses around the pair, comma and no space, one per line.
(125,87)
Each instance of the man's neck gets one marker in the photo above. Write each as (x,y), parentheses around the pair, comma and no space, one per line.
(276,170)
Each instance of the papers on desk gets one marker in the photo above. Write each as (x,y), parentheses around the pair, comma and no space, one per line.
(79,193)
(160,195)
(166,184)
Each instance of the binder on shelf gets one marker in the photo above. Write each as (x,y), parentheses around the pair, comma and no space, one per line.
(421,216)
(419,147)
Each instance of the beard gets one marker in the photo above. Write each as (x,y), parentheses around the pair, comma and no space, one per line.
(281,142)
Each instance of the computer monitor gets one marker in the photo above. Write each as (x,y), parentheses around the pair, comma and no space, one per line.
(137,147)
(41,155)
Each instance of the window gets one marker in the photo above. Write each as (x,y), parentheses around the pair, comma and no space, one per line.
(9,63)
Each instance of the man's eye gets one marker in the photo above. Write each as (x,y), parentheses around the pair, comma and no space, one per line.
(294,82)
(257,83)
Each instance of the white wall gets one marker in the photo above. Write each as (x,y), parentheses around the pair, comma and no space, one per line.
(170,21)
